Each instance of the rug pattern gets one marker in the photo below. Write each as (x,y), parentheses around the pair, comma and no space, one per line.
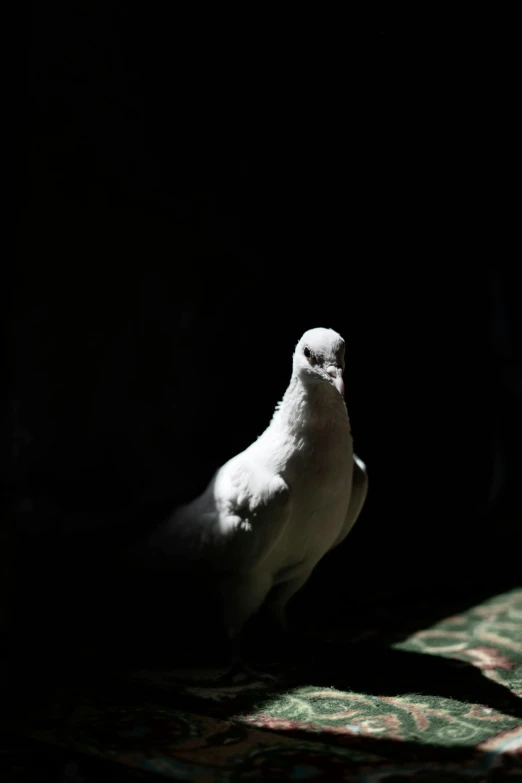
(190,730)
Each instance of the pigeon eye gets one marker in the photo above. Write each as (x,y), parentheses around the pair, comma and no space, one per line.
(307,353)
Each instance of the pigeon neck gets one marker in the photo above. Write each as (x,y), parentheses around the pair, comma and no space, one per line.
(305,403)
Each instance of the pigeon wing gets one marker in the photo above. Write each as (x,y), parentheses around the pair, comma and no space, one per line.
(357,498)
(253,509)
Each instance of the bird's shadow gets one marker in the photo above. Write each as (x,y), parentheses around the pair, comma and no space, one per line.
(376,667)
(383,671)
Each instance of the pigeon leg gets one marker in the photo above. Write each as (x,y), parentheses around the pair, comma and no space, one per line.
(281,595)
(242,597)
(239,665)
(280,641)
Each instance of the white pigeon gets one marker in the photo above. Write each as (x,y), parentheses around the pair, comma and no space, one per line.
(273,511)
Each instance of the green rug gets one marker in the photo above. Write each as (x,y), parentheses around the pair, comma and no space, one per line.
(443,704)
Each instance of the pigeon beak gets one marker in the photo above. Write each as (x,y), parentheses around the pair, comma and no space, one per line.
(336,374)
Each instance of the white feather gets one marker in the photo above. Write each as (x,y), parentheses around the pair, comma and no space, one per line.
(271,512)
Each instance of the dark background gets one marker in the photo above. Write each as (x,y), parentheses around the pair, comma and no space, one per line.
(198,193)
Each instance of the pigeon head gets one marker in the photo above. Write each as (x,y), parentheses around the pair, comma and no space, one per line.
(319,358)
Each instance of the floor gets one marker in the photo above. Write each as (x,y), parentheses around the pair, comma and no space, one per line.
(430,690)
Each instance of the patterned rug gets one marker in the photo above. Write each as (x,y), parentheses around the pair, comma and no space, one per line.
(438,704)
